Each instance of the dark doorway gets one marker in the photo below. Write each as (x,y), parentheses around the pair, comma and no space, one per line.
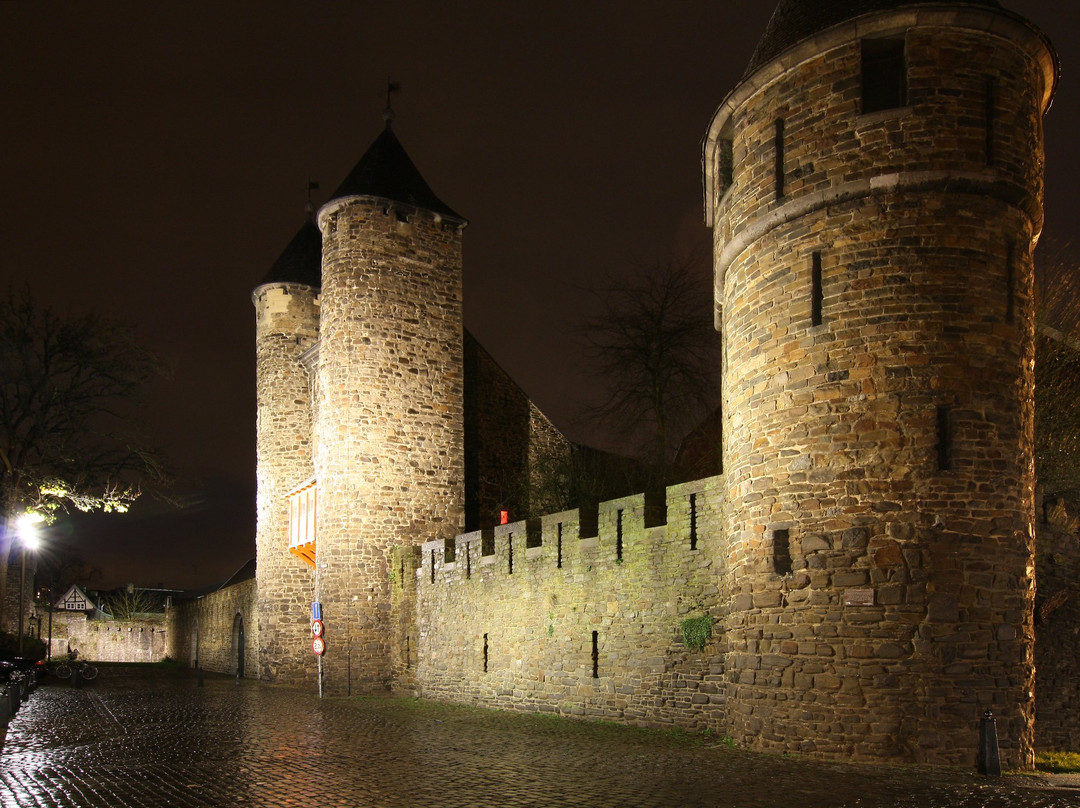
(238,644)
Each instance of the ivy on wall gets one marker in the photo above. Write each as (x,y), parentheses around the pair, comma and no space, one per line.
(697,631)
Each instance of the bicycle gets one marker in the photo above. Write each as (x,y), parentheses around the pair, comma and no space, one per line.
(63,670)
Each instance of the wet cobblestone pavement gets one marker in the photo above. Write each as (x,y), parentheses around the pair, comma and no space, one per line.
(147,739)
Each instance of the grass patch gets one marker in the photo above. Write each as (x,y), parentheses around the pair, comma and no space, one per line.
(1058,762)
(588,729)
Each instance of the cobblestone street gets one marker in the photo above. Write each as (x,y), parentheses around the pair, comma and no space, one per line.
(154,738)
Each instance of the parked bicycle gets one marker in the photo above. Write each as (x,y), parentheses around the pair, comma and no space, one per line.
(64,668)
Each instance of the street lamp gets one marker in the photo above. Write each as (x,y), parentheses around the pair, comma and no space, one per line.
(26,527)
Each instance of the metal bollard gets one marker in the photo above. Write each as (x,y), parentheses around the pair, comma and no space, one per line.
(5,709)
(13,699)
(200,677)
(74,676)
(989,756)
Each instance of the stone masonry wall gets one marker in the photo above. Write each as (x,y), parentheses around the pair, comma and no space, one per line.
(506,440)
(877,440)
(99,640)
(389,419)
(1057,630)
(512,625)
(287,317)
(205,632)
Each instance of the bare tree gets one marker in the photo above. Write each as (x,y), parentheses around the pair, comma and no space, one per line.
(131,603)
(653,342)
(68,400)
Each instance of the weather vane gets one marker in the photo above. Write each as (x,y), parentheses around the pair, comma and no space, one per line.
(309,208)
(391,88)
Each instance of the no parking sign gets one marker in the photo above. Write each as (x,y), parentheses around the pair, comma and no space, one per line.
(318,644)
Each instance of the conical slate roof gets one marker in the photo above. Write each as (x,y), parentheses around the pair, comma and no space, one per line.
(387,172)
(796,20)
(301,260)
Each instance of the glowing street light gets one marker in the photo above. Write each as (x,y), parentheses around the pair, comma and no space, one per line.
(27,529)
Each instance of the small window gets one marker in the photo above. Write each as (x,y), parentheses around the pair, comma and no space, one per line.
(816,290)
(1010,283)
(778,143)
(944,438)
(884,74)
(725,161)
(782,552)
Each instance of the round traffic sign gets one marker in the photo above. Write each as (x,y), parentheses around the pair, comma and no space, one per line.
(316,628)
(318,645)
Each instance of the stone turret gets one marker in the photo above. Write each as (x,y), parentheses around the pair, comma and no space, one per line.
(388,401)
(286,326)
(875,188)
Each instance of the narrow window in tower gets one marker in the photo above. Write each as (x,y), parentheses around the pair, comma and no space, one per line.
(433,566)
(618,536)
(725,154)
(944,438)
(401,574)
(408,651)
(485,653)
(468,561)
(596,655)
(816,294)
(991,104)
(510,552)
(558,546)
(779,169)
(781,551)
(884,74)
(1010,283)
(693,521)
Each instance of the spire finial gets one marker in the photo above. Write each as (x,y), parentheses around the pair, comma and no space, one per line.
(309,208)
(388,113)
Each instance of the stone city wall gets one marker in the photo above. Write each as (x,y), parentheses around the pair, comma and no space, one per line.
(1057,630)
(550,617)
(217,632)
(509,442)
(102,640)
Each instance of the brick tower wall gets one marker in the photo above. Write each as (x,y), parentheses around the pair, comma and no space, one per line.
(287,318)
(878,465)
(389,416)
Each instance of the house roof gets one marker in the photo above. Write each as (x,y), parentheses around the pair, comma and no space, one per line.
(75,599)
(796,20)
(386,171)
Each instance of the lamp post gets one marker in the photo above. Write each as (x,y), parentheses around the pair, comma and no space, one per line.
(28,538)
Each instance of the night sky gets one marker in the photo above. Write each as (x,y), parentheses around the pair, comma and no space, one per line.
(154,161)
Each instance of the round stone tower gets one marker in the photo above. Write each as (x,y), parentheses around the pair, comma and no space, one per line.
(286,327)
(389,398)
(875,188)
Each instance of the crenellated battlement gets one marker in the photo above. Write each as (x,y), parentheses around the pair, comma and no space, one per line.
(617,533)
(580,612)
